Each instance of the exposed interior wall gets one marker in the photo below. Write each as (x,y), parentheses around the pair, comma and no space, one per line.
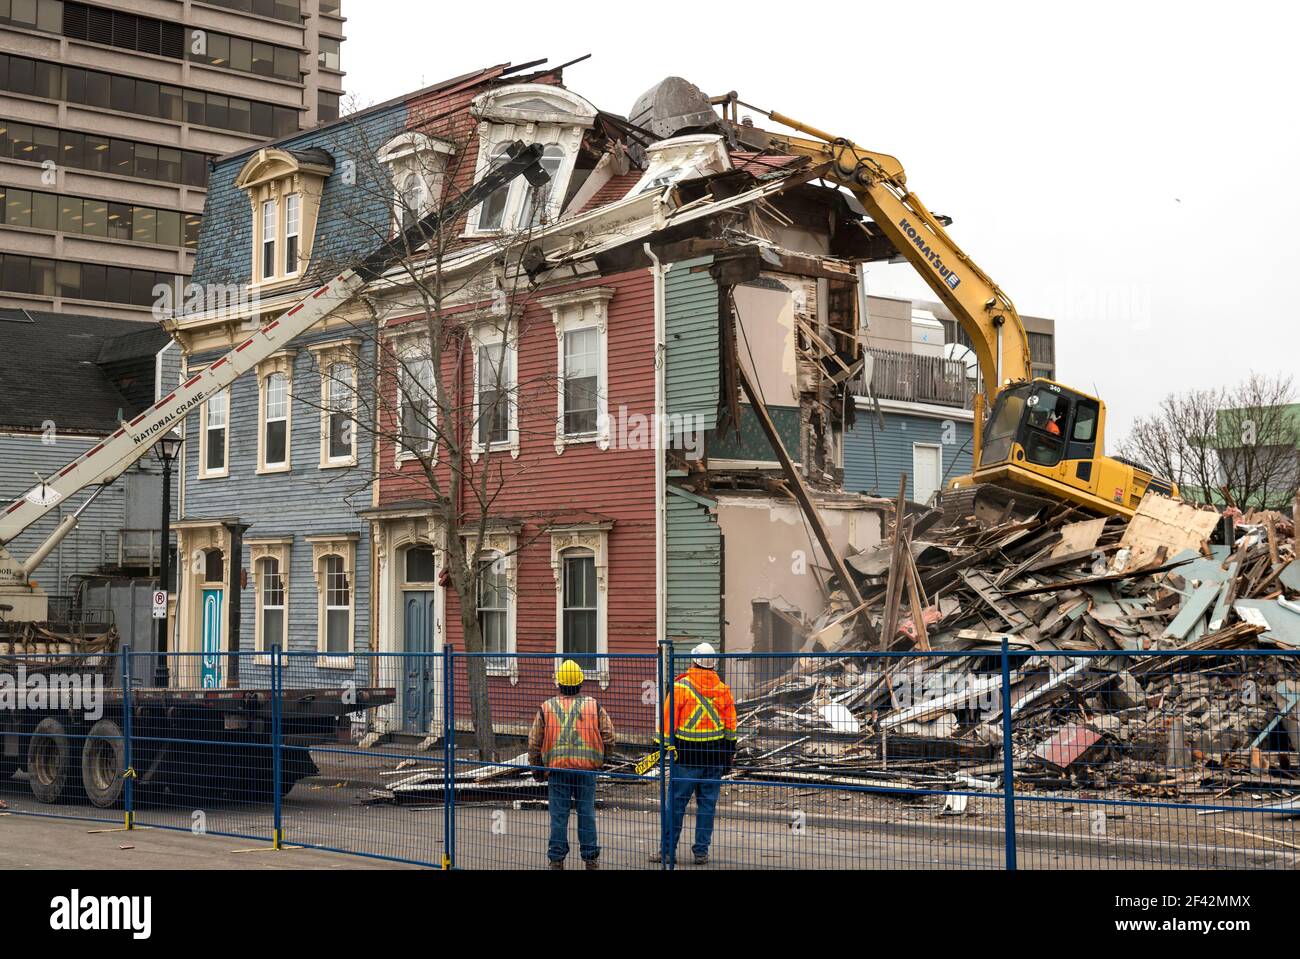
(770,554)
(765,327)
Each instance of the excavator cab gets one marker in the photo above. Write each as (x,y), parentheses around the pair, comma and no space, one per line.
(1042,424)
(1044,442)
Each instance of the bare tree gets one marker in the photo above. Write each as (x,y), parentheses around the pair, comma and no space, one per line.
(1235,444)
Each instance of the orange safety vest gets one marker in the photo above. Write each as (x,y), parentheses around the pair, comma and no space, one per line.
(572,737)
(705,710)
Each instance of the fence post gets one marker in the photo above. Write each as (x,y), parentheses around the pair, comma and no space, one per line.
(667,763)
(1008,762)
(277,743)
(448,757)
(128,771)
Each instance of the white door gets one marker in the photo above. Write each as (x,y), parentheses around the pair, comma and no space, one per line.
(927,470)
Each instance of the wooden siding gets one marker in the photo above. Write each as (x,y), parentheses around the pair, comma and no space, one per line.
(691,323)
(874,458)
(306,501)
(542,486)
(694,571)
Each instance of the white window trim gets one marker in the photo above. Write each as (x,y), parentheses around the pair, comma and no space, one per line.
(500,123)
(577,310)
(492,335)
(285,234)
(345,546)
(595,540)
(503,545)
(281,363)
(327,354)
(403,455)
(204,472)
(417,153)
(278,548)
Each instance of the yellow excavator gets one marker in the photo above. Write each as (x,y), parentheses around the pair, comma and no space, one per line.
(1042,441)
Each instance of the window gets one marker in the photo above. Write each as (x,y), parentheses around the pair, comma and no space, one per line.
(494,608)
(214,566)
(268,238)
(581,320)
(580,611)
(327,106)
(492,212)
(495,378)
(216,415)
(338,606)
(537,113)
(415,164)
(275,424)
(292,228)
(421,565)
(578,561)
(581,381)
(538,205)
(329,54)
(416,403)
(340,409)
(411,200)
(271,598)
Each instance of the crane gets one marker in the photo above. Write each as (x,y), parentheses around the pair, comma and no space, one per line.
(1042,440)
(101,465)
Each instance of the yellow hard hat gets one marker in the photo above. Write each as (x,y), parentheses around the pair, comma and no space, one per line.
(569,674)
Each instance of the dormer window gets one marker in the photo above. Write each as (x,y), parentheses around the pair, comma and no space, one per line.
(416,166)
(534,113)
(284,188)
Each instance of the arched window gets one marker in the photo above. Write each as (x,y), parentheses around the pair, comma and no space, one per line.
(539,202)
(214,566)
(493,211)
(337,603)
(413,202)
(580,609)
(271,602)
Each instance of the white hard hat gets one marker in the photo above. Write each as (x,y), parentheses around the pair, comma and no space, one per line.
(705,655)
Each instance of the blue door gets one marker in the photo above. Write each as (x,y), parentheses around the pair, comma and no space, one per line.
(421,668)
(212,638)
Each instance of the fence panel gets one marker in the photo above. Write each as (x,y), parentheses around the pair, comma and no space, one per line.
(845,761)
(1157,759)
(503,817)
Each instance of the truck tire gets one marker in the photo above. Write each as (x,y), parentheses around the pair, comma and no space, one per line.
(53,772)
(103,759)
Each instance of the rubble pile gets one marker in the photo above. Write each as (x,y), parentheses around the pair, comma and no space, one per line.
(1069,595)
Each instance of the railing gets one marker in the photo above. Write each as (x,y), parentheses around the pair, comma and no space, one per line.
(993,758)
(912,378)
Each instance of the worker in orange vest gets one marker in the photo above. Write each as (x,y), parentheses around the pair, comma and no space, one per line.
(570,737)
(699,724)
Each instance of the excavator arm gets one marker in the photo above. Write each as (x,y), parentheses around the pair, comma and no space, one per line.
(880,184)
(102,464)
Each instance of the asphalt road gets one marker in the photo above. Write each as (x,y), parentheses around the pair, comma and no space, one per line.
(326,813)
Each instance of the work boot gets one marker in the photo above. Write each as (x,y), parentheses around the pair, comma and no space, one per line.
(557,863)
(591,863)
(657,856)
(701,858)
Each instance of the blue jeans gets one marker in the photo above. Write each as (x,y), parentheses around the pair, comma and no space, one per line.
(704,783)
(567,788)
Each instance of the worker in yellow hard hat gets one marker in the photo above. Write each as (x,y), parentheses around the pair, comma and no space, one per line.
(570,738)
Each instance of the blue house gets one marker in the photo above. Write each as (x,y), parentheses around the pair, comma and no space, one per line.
(275,466)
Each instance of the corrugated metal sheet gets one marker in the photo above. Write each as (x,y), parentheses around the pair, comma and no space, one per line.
(694,573)
(691,319)
(874,458)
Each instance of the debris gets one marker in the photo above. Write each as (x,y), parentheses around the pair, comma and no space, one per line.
(1068,746)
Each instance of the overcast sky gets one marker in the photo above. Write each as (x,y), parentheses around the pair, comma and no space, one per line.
(1128,169)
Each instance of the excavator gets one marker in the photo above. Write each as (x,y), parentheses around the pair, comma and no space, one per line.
(1043,441)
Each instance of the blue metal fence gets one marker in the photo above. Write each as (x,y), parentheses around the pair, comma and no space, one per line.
(984,757)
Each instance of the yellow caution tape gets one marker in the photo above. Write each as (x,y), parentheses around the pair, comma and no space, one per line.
(647,763)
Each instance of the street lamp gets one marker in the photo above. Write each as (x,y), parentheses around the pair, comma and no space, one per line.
(165,451)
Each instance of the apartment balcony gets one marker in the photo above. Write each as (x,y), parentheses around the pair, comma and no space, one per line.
(911,378)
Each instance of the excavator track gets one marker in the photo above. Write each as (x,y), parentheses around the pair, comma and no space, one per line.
(991,504)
